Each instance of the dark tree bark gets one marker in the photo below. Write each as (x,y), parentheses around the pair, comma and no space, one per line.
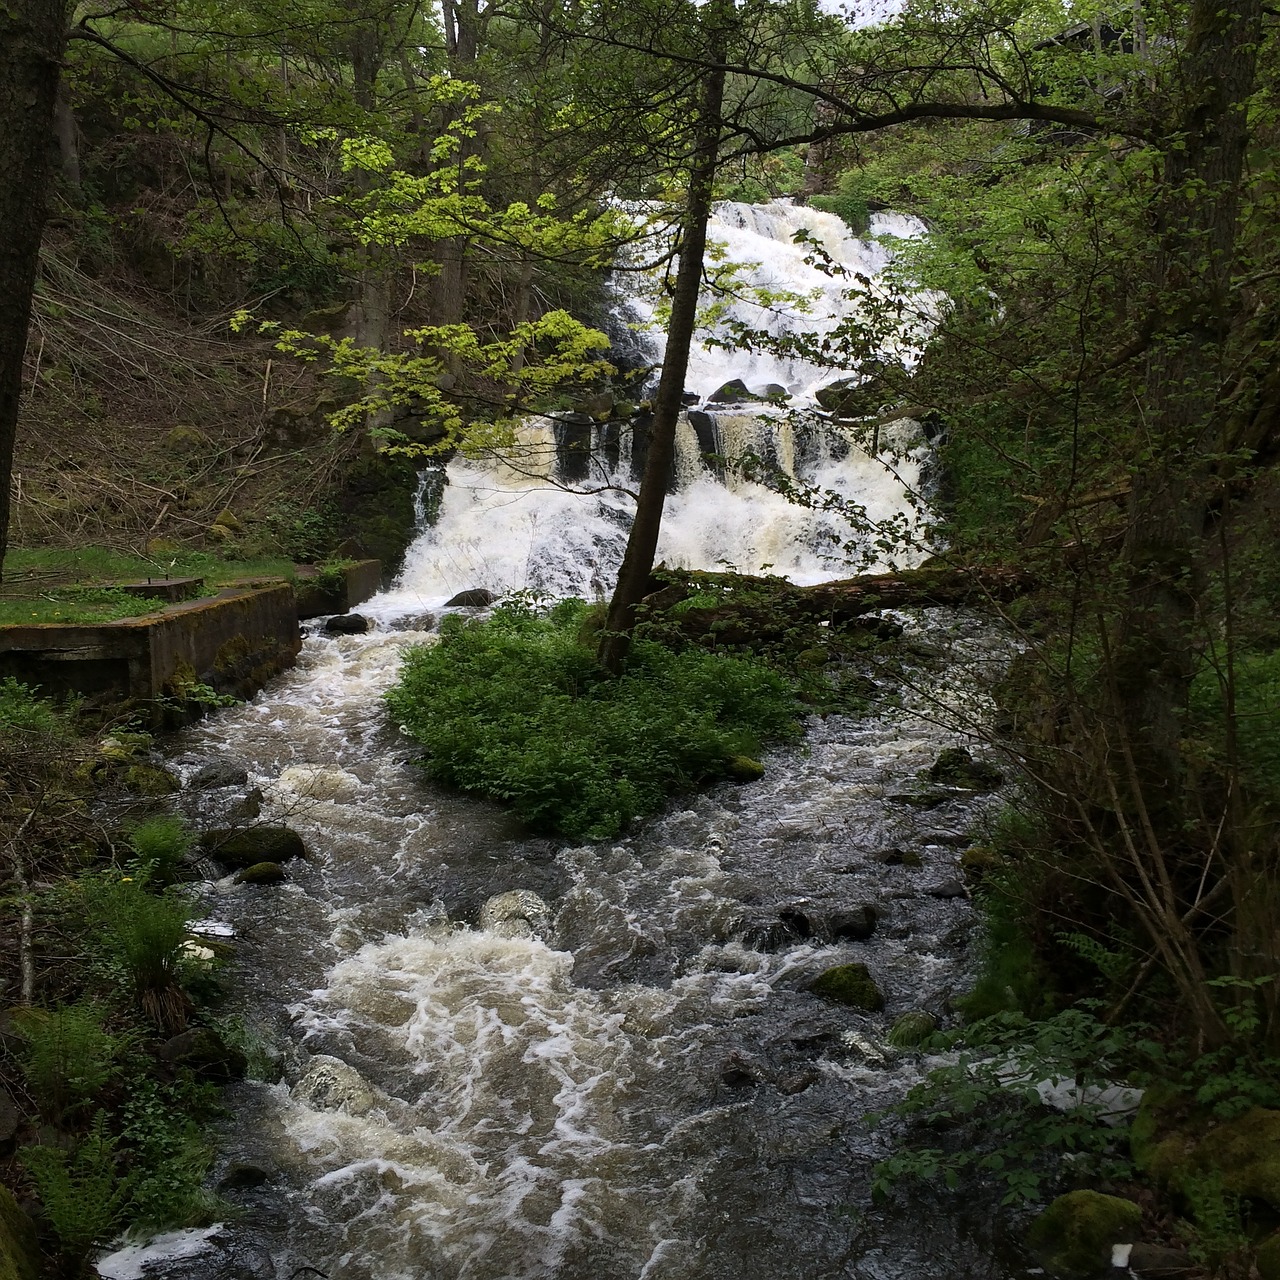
(642,543)
(32,35)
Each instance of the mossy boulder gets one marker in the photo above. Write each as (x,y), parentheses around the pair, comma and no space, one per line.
(253,845)
(978,861)
(149,780)
(1267,1259)
(261,873)
(202,1051)
(849,984)
(1245,1154)
(1073,1237)
(911,1030)
(744,769)
(955,767)
(19,1252)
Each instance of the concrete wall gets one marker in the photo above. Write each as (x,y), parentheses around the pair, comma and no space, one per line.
(360,581)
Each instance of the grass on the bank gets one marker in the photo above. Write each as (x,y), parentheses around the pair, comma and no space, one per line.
(516,708)
(83,605)
(101,564)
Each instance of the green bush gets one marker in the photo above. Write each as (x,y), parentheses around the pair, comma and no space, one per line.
(160,843)
(68,1056)
(515,707)
(23,711)
(1257,705)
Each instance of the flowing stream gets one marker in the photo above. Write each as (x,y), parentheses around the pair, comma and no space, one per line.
(647,1089)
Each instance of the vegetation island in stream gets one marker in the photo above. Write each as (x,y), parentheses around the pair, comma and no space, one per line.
(809,326)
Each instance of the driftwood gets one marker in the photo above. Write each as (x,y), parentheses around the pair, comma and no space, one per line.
(741,608)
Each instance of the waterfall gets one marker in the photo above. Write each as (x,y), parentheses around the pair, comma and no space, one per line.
(504,524)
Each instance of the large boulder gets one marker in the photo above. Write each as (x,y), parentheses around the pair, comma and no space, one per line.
(519,913)
(955,767)
(849,984)
(735,391)
(218,773)
(262,873)
(348,624)
(1074,1237)
(329,1084)
(204,1052)
(19,1252)
(247,848)
(910,1030)
(474,598)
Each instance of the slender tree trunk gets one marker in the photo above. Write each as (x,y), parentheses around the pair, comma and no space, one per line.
(642,544)
(32,36)
(68,142)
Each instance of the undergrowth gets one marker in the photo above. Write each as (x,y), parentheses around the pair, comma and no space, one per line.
(515,707)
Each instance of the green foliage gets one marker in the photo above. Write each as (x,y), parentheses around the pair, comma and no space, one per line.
(1256,680)
(516,708)
(68,1057)
(23,711)
(82,1191)
(160,843)
(75,605)
(987,1106)
(848,202)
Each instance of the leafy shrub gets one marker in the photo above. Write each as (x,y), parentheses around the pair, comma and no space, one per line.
(1257,705)
(160,843)
(142,934)
(68,1056)
(82,1191)
(23,711)
(516,708)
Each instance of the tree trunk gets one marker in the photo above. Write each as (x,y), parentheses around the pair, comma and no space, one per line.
(642,544)
(32,35)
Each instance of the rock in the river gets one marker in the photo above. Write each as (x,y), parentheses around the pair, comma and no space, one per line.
(799,1081)
(262,873)
(735,391)
(850,984)
(744,769)
(320,782)
(910,1030)
(240,849)
(1074,1236)
(149,780)
(348,624)
(856,925)
(330,1084)
(519,913)
(955,767)
(19,1252)
(218,773)
(738,1073)
(242,1175)
(475,598)
(952,887)
(204,1052)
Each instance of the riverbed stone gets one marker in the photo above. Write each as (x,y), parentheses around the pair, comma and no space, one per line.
(955,767)
(473,598)
(262,873)
(735,391)
(518,913)
(149,780)
(204,1052)
(910,1030)
(329,1084)
(247,848)
(19,1251)
(744,769)
(219,773)
(849,984)
(348,624)
(1074,1236)
(855,925)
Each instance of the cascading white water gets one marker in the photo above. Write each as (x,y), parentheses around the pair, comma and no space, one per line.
(503,526)
(646,1093)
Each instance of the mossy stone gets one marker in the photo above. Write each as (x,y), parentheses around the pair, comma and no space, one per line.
(1245,1153)
(227,519)
(849,984)
(744,769)
(150,780)
(1073,1237)
(979,861)
(1156,1140)
(910,1030)
(911,859)
(261,873)
(955,767)
(247,848)
(19,1252)
(1267,1259)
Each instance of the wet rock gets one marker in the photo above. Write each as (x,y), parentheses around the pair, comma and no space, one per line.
(329,1084)
(738,1072)
(744,769)
(856,925)
(219,773)
(320,782)
(242,1175)
(858,1045)
(897,858)
(149,780)
(927,799)
(475,598)
(910,1030)
(950,888)
(735,391)
(248,807)
(955,767)
(262,873)
(978,862)
(348,624)
(1075,1235)
(19,1251)
(247,848)
(519,913)
(775,392)
(799,1081)
(769,935)
(849,984)
(1160,1262)
(10,1122)
(203,1051)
